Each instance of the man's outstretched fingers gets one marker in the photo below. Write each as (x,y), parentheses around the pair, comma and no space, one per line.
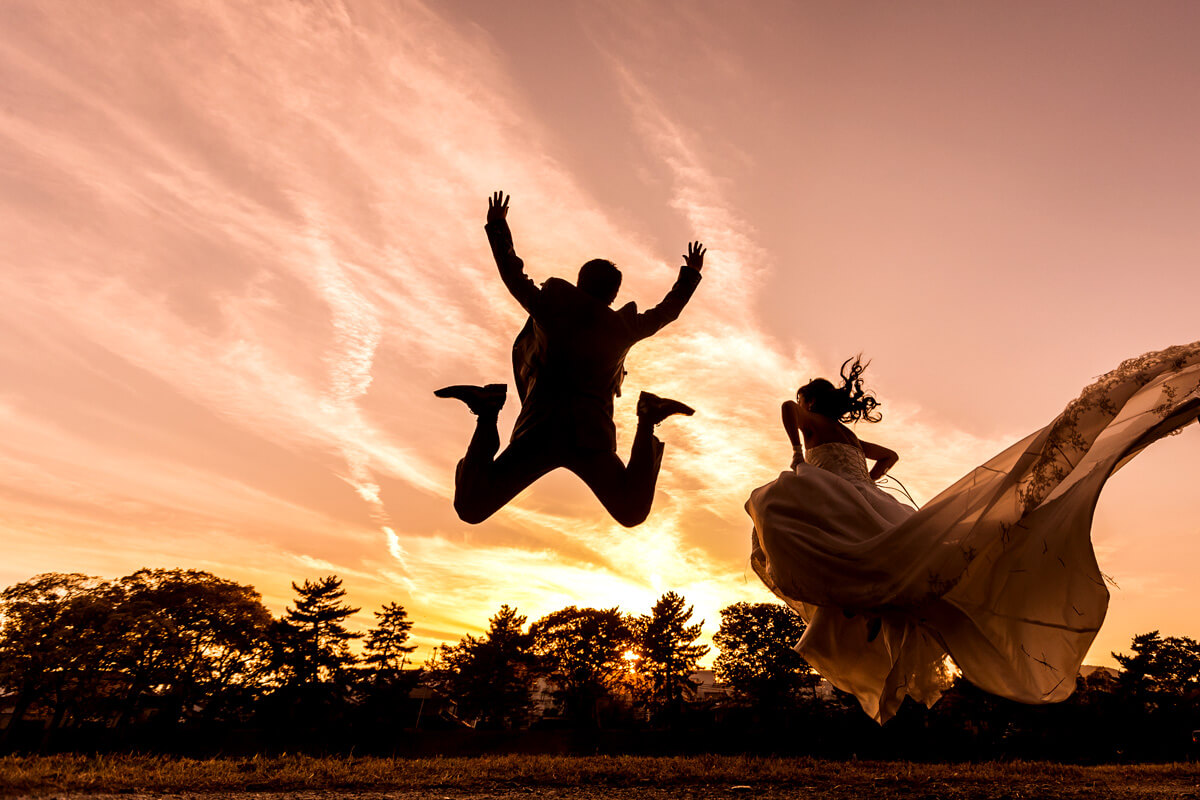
(497,206)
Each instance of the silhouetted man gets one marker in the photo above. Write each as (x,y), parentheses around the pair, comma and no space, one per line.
(568,362)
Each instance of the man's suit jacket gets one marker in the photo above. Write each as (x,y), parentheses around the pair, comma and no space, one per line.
(569,359)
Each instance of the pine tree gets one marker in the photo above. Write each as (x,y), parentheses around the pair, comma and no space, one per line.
(1167,667)
(313,643)
(387,645)
(669,653)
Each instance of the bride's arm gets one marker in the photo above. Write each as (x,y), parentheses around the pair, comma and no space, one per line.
(883,457)
(788,414)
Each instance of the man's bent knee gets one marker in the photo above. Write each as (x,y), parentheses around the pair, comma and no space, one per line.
(631,519)
(471,513)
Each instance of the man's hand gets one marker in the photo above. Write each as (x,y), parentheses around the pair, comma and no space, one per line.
(497,207)
(694,257)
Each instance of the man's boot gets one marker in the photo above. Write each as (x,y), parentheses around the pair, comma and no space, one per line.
(482,400)
(654,409)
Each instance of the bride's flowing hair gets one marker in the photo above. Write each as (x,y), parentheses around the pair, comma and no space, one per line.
(846,403)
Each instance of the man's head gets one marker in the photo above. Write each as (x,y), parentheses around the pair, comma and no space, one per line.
(601,279)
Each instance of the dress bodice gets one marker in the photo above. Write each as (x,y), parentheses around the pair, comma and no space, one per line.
(844,460)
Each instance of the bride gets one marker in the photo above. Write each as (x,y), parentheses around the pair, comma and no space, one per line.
(997,571)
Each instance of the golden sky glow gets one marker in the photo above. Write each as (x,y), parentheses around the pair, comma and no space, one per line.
(241,243)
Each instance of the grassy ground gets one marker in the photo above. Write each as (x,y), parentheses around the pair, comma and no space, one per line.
(579,778)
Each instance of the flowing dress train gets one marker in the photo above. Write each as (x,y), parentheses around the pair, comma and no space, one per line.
(997,571)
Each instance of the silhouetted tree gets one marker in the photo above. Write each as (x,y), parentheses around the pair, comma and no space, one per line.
(582,652)
(490,678)
(312,643)
(57,647)
(313,702)
(755,654)
(668,653)
(386,647)
(1135,678)
(194,642)
(383,692)
(1159,666)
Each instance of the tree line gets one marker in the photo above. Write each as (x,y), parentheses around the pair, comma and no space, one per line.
(183,659)
(165,649)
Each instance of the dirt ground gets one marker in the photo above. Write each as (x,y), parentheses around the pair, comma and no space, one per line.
(966,790)
(298,777)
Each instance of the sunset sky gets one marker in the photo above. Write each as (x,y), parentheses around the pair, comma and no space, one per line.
(241,244)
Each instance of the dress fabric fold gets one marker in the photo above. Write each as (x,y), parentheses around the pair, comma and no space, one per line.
(997,571)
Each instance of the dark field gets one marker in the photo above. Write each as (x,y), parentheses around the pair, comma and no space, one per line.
(582,778)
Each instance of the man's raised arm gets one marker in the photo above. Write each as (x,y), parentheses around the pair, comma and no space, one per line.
(512,268)
(651,321)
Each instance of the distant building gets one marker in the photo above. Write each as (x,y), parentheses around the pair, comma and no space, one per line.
(545,705)
(707,687)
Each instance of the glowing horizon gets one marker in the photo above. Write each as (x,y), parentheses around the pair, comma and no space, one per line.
(242,246)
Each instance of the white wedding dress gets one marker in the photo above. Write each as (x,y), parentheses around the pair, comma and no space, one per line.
(997,571)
